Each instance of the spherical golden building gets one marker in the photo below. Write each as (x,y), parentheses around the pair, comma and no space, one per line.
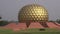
(33,13)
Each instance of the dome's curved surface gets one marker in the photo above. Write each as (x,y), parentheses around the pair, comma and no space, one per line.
(33,12)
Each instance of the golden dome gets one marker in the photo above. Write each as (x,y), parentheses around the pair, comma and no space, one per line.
(33,12)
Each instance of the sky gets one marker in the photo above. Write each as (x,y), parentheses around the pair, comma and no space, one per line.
(9,8)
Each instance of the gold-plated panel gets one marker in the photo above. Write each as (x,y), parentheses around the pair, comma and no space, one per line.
(33,13)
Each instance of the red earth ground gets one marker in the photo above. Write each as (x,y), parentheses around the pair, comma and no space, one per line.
(23,26)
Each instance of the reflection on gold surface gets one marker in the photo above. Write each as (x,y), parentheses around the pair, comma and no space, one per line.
(33,13)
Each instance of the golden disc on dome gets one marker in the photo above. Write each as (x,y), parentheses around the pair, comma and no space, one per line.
(33,12)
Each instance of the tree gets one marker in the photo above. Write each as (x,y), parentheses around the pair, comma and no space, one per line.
(0,17)
(51,21)
(58,20)
(3,23)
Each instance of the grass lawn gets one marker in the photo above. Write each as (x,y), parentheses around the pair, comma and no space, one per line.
(30,31)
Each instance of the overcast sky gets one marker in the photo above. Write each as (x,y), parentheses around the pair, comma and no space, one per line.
(9,8)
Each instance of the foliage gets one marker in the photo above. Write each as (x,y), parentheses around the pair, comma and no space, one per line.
(58,20)
(51,21)
(42,29)
(2,23)
(0,17)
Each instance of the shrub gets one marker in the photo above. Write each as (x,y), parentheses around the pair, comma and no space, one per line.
(42,29)
(0,17)
(58,21)
(3,23)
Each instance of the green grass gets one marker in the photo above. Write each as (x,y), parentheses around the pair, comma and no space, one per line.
(38,30)
(30,31)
